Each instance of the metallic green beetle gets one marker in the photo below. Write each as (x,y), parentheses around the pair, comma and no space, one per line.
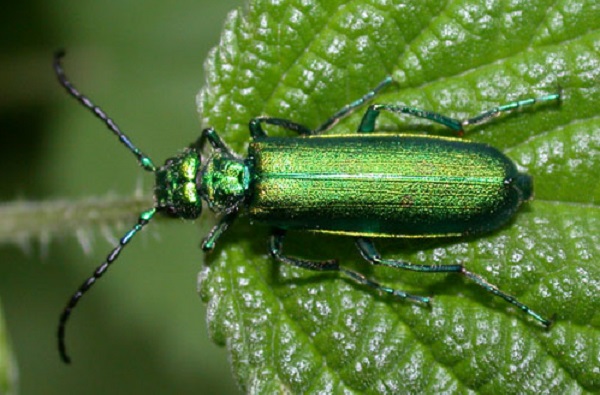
(365,185)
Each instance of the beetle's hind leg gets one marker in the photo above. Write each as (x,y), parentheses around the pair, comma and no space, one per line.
(276,250)
(369,252)
(496,111)
(367,125)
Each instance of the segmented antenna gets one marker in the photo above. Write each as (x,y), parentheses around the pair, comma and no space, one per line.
(143,159)
(143,219)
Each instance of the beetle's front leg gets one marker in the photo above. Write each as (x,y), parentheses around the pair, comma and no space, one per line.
(256,130)
(208,244)
(213,138)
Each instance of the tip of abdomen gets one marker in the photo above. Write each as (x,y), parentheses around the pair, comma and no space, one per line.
(524,183)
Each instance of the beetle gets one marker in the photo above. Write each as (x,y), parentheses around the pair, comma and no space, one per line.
(365,185)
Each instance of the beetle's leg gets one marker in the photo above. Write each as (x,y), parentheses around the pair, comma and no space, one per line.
(367,125)
(257,131)
(510,299)
(215,141)
(211,239)
(211,135)
(370,253)
(496,111)
(349,108)
(276,250)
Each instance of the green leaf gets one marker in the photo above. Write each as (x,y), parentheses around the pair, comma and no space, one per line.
(290,330)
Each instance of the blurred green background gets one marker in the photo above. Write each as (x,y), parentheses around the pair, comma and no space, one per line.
(142,329)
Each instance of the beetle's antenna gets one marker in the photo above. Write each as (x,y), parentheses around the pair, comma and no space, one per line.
(143,159)
(144,218)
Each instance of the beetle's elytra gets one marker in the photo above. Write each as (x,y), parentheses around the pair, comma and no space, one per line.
(382,185)
(365,185)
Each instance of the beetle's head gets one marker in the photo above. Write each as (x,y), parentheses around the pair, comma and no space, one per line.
(176,192)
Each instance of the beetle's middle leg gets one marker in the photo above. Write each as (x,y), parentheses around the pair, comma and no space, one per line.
(276,250)
(349,108)
(257,131)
